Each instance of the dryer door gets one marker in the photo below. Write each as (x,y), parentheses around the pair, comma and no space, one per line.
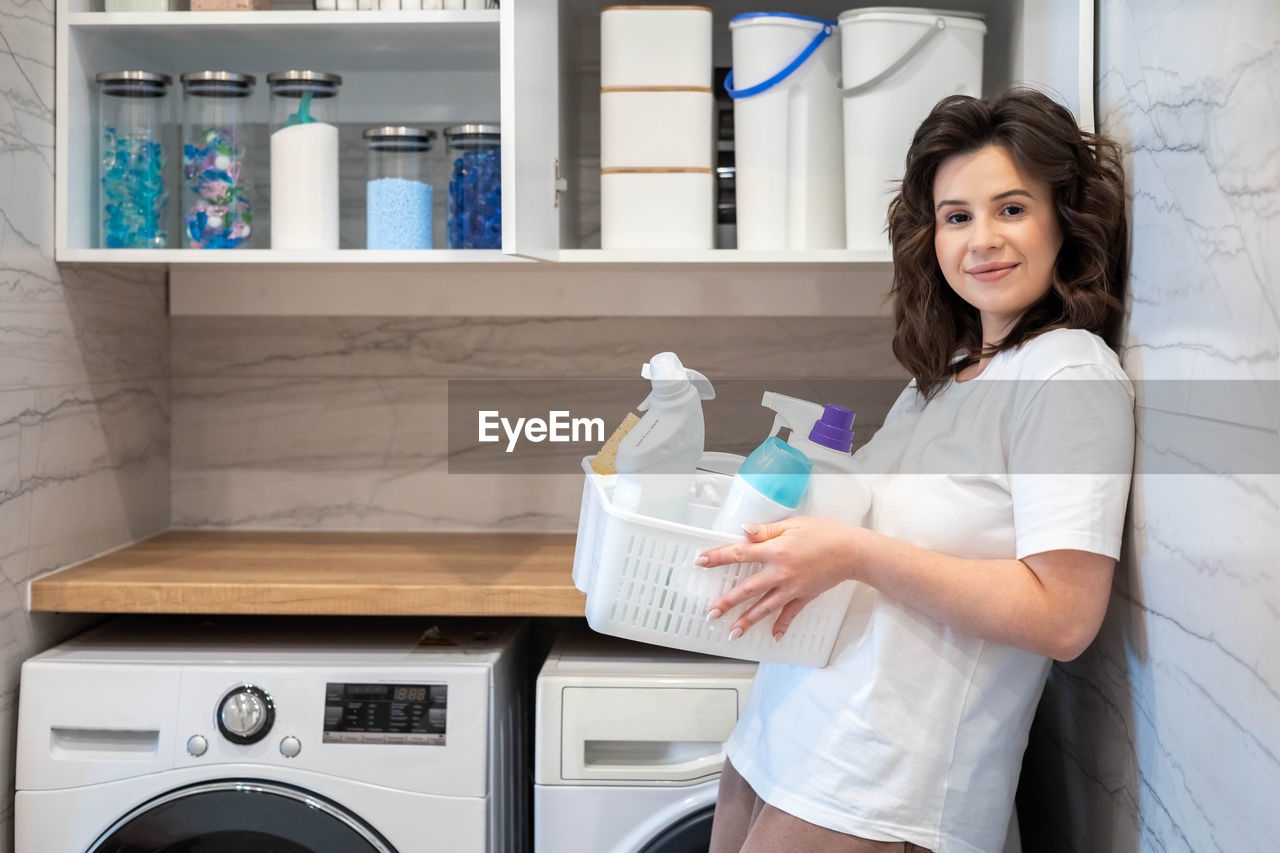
(240,816)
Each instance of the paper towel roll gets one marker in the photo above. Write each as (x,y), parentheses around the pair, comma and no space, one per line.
(304,187)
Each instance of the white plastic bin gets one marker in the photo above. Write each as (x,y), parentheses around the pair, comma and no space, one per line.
(787,132)
(897,64)
(641,582)
(657,128)
(655,46)
(657,208)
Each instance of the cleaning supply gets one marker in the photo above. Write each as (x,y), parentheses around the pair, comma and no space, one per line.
(768,487)
(825,435)
(605,460)
(657,458)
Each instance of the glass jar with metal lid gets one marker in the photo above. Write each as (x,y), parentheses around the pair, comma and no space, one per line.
(397,193)
(304,159)
(216,208)
(475,186)
(131,159)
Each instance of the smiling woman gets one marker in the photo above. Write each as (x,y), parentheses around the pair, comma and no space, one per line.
(996,513)
(984,183)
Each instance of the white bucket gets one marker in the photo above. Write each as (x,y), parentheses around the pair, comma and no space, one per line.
(897,64)
(787,135)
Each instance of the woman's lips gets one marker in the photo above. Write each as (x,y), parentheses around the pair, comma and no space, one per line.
(991,272)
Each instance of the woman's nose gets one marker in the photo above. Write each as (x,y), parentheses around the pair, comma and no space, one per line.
(985,235)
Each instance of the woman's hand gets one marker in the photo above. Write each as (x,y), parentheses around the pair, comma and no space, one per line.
(801,557)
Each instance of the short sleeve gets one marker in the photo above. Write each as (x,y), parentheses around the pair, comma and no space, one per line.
(1071,461)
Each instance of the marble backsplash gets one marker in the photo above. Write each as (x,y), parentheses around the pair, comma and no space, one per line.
(1165,735)
(340,423)
(84,381)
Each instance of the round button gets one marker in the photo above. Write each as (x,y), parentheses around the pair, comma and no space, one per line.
(245,714)
(197,745)
(290,746)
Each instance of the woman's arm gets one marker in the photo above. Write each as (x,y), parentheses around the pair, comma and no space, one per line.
(1051,603)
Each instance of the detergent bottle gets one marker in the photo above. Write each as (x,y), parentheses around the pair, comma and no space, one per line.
(657,458)
(768,487)
(825,435)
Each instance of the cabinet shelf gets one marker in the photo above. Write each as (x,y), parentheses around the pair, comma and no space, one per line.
(388,41)
(276,257)
(813,257)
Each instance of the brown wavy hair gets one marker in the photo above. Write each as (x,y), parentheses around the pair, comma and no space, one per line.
(933,324)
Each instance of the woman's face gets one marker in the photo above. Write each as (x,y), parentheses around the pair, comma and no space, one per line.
(996,235)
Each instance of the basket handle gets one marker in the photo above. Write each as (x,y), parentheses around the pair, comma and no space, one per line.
(939,25)
(828,27)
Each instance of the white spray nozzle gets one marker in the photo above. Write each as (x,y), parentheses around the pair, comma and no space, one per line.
(795,414)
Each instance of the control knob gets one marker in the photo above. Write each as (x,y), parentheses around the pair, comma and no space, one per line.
(245,714)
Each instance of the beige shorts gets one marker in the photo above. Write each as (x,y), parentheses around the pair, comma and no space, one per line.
(744,823)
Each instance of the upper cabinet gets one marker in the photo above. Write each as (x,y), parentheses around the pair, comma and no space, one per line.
(532,67)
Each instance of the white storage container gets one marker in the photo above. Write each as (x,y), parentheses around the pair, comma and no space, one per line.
(657,128)
(656,208)
(641,582)
(787,132)
(655,46)
(897,63)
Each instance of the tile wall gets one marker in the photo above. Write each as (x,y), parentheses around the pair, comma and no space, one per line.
(1165,736)
(84,381)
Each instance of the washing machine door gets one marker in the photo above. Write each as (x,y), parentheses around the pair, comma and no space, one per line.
(240,816)
(691,834)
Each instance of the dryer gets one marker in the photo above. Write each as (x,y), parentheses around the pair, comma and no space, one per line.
(285,735)
(629,745)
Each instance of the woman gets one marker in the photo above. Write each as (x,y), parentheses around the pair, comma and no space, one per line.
(998,496)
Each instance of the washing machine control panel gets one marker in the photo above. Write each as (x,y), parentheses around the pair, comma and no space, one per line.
(386,713)
(245,714)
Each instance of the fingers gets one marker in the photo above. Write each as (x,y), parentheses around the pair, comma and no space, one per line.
(738,552)
(753,587)
(770,602)
(788,615)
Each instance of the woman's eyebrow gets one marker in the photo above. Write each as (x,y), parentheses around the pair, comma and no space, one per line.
(1003,195)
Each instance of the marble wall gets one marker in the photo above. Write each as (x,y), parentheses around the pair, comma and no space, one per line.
(339,423)
(1165,736)
(84,386)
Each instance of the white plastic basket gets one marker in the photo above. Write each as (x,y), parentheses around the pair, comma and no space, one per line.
(641,582)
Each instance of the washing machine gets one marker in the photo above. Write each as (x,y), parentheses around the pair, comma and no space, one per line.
(285,735)
(629,745)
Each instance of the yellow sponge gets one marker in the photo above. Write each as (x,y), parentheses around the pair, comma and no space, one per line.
(605,461)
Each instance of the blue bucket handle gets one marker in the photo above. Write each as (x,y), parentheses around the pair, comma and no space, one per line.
(828,27)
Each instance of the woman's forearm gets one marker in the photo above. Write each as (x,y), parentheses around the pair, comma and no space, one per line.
(1053,609)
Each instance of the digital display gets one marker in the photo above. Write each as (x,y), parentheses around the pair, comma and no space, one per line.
(386,713)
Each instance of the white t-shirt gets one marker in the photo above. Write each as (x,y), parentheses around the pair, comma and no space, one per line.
(915,731)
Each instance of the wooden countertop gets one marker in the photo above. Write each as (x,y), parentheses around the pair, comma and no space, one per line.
(389,574)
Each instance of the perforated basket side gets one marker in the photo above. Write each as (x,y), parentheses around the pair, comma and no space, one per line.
(587,546)
(646,588)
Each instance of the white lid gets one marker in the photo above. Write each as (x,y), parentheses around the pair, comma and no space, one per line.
(959,20)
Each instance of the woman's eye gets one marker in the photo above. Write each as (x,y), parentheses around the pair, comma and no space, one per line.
(957,218)
(1013,209)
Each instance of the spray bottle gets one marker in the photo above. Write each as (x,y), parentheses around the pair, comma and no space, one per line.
(825,435)
(657,458)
